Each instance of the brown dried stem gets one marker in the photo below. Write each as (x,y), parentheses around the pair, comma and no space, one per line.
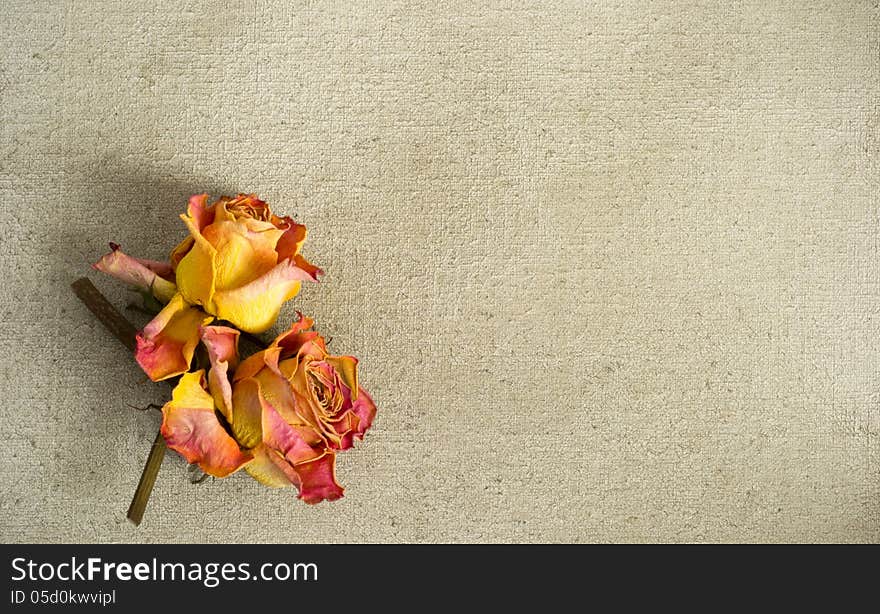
(125,331)
(148,479)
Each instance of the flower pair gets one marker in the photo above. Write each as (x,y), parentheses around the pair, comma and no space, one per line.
(283,413)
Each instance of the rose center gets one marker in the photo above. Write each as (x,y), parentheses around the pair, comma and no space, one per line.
(240,210)
(319,391)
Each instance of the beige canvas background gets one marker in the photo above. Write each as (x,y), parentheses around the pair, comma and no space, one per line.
(611,268)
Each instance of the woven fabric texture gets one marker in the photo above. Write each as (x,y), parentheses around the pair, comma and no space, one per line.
(611,268)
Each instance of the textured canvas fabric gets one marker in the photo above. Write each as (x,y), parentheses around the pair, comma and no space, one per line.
(611,268)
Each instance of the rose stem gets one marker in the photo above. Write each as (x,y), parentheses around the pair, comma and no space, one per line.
(148,479)
(106,313)
(125,331)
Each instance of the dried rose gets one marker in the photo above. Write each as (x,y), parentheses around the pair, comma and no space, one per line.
(240,263)
(288,409)
(295,406)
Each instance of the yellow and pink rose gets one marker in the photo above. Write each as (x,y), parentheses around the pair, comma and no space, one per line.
(282,414)
(240,263)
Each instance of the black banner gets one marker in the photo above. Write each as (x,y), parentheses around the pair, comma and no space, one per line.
(176,577)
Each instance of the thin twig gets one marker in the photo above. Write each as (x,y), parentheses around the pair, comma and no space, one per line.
(145,408)
(196,475)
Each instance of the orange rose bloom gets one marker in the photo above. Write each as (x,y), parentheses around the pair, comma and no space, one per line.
(288,410)
(241,263)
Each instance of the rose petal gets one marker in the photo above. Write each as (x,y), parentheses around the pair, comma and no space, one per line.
(180,251)
(344,430)
(270,469)
(202,215)
(255,306)
(346,368)
(222,345)
(199,211)
(141,274)
(297,334)
(195,270)
(365,409)
(283,345)
(245,248)
(165,347)
(247,413)
(293,238)
(244,206)
(252,365)
(292,454)
(298,444)
(290,244)
(313,271)
(302,448)
(319,479)
(292,407)
(361,411)
(302,323)
(190,426)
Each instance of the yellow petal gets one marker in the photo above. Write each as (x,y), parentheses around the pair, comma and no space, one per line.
(255,307)
(247,413)
(165,347)
(195,271)
(180,251)
(190,426)
(241,254)
(267,468)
